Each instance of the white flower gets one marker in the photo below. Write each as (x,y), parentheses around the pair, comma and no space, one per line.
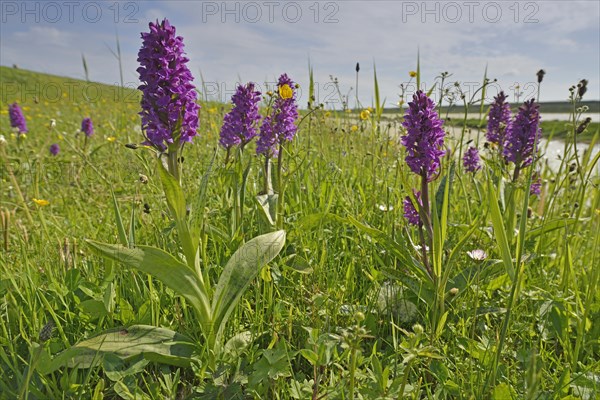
(477,255)
(383,207)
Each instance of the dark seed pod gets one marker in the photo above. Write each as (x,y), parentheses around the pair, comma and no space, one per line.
(540,75)
(582,87)
(46,332)
(583,125)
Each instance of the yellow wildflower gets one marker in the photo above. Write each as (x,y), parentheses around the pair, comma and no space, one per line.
(365,114)
(41,202)
(327,114)
(354,128)
(285,91)
(413,74)
(111,139)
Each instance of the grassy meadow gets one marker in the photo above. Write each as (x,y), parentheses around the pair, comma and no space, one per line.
(343,311)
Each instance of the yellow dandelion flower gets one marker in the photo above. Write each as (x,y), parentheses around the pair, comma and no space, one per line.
(327,114)
(413,74)
(111,139)
(286,92)
(354,128)
(41,202)
(365,114)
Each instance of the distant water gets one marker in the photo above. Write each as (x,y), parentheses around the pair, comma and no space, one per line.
(545,116)
(555,149)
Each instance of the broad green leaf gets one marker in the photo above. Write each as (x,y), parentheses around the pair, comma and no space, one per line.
(502,392)
(173,192)
(177,206)
(155,344)
(163,267)
(116,368)
(236,346)
(440,325)
(95,308)
(268,204)
(311,356)
(240,270)
(299,264)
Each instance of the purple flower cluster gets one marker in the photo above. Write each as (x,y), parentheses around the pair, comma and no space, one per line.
(536,185)
(267,141)
(17,120)
(471,160)
(169,109)
(410,212)
(424,138)
(281,125)
(87,127)
(498,120)
(523,134)
(239,124)
(54,149)
(286,111)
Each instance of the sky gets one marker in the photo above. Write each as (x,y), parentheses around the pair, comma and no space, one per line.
(229,42)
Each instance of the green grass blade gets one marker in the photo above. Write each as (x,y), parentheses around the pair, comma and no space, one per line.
(164,267)
(119,221)
(500,232)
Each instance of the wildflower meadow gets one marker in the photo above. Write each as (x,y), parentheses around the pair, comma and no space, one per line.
(161,245)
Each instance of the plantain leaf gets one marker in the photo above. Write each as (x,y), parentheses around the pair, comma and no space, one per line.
(165,268)
(240,270)
(268,203)
(154,344)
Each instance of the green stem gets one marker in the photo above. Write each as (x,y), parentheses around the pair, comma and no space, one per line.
(352,371)
(280,188)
